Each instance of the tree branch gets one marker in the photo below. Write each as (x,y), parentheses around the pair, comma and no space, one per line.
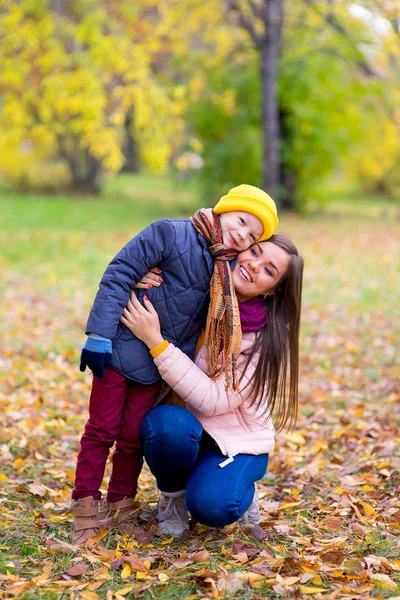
(245,23)
(331,20)
(257,10)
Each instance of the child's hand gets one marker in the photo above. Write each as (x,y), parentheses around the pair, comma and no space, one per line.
(152,278)
(143,321)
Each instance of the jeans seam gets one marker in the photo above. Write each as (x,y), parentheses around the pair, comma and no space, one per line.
(237,481)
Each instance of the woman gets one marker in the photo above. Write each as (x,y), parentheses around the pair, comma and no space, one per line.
(208,458)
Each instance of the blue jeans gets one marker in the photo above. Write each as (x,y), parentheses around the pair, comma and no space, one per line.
(182,456)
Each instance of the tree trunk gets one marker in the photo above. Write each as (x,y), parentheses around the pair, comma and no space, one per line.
(130,148)
(86,174)
(288,177)
(269,56)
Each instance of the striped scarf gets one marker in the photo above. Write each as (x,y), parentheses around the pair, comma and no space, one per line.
(223,329)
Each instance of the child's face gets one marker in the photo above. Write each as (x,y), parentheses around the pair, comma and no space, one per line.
(240,229)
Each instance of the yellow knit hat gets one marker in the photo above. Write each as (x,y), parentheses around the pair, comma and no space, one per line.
(251,199)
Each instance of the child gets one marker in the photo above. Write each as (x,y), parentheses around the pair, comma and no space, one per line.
(126,382)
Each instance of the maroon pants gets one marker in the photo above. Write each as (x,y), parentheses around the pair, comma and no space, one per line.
(116,411)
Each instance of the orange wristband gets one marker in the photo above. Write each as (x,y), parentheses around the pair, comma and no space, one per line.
(159,349)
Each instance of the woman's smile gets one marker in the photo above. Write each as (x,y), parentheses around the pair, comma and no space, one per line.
(244,273)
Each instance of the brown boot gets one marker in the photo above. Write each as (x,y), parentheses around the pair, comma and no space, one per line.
(86,519)
(121,513)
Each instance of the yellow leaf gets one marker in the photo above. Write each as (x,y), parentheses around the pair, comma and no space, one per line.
(367,488)
(3,477)
(168,541)
(368,509)
(88,595)
(295,438)
(96,538)
(305,589)
(250,576)
(316,580)
(290,505)
(125,590)
(18,464)
(126,571)
(18,588)
(147,564)
(142,575)
(383,581)
(288,581)
(223,550)
(163,577)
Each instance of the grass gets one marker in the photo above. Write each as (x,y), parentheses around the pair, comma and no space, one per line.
(342,460)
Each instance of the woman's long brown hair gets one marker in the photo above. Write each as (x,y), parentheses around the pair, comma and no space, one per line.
(275,381)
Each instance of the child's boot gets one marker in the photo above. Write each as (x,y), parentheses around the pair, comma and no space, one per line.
(120,513)
(86,519)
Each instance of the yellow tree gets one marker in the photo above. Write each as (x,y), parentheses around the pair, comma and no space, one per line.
(70,72)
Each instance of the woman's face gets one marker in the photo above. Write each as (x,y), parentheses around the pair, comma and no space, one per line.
(240,229)
(259,269)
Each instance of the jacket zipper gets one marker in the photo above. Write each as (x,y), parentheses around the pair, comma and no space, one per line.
(226,462)
(230,458)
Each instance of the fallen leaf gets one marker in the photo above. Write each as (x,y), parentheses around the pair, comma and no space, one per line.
(241,557)
(168,541)
(126,571)
(251,577)
(96,538)
(76,570)
(282,528)
(229,584)
(135,563)
(56,545)
(125,590)
(37,489)
(334,557)
(369,511)
(305,589)
(214,590)
(89,595)
(383,581)
(257,533)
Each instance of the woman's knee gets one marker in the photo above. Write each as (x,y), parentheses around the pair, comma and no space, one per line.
(170,423)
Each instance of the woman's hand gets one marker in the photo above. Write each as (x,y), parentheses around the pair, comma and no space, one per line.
(143,321)
(152,278)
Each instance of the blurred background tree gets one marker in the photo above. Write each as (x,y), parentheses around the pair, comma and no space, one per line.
(72,77)
(290,96)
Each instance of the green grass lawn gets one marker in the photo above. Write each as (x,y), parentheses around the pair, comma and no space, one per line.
(330,500)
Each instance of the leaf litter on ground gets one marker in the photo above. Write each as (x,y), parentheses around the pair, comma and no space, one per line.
(330,501)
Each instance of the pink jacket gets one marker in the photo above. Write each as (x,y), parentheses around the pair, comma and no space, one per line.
(229,418)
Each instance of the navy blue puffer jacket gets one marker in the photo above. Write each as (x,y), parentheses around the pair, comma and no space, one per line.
(181,301)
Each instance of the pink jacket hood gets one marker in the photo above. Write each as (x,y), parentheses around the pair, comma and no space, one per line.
(228,417)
